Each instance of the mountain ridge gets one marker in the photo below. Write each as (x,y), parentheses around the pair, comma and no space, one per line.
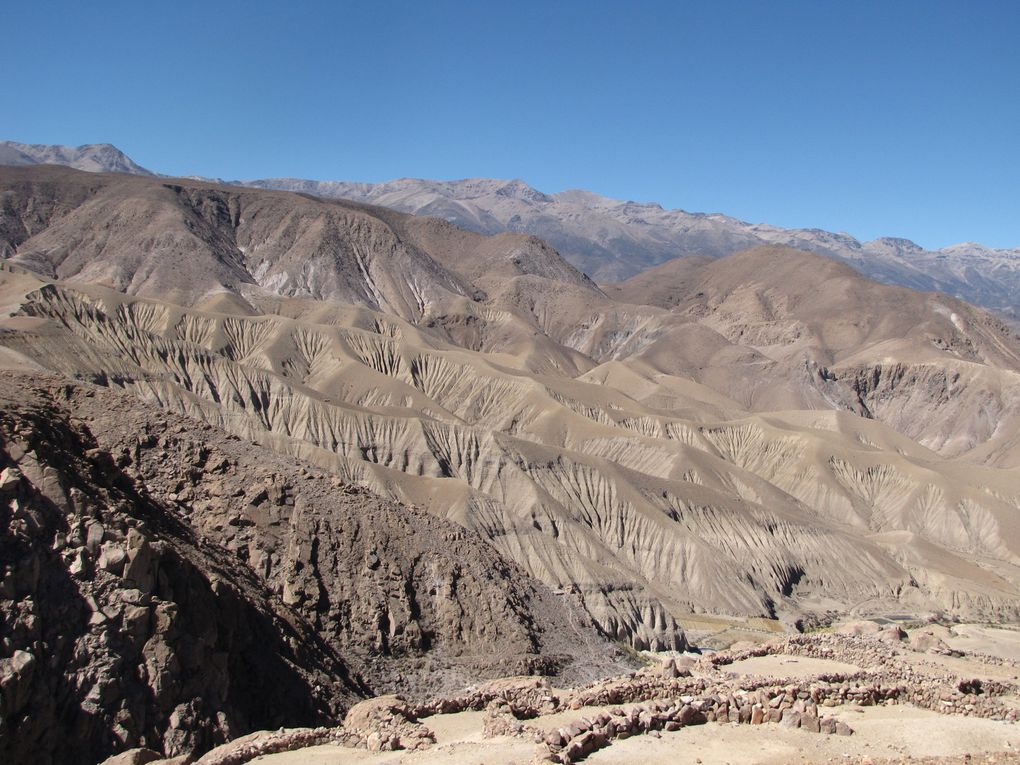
(614,239)
(611,240)
(91,157)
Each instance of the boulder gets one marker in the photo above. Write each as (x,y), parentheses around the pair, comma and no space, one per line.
(112,558)
(863,627)
(366,715)
(10,478)
(16,679)
(94,537)
(927,640)
(809,722)
(892,634)
(669,669)
(691,716)
(140,756)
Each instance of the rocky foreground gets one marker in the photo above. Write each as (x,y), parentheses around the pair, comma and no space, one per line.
(163,585)
(803,689)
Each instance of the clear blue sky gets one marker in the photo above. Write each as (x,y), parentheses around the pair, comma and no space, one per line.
(876,118)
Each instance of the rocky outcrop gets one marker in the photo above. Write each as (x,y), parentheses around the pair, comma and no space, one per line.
(165,586)
(121,628)
(386,723)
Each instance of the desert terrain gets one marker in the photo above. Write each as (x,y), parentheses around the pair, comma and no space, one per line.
(865,694)
(267,457)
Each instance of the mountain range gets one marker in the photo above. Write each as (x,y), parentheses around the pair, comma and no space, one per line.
(92,157)
(611,240)
(263,453)
(716,436)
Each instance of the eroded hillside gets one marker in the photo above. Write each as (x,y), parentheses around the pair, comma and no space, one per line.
(768,435)
(166,585)
(646,514)
(613,239)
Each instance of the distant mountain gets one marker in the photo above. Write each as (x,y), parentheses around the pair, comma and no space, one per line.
(93,157)
(612,240)
(189,241)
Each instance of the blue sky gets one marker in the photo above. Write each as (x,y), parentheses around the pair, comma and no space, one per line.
(884,118)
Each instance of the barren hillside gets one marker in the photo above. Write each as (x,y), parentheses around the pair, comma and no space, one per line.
(92,157)
(763,435)
(762,440)
(168,585)
(612,239)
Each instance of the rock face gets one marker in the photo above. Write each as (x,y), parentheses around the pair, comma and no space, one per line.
(135,614)
(414,602)
(165,643)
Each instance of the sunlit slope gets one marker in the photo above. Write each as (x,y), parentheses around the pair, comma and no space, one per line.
(776,328)
(770,329)
(650,495)
(767,434)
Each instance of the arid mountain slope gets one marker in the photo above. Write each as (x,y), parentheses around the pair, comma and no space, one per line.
(115,617)
(933,367)
(92,157)
(646,515)
(166,585)
(190,241)
(720,446)
(611,239)
(188,244)
(201,244)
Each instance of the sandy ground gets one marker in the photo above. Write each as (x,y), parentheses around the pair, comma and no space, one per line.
(789,666)
(460,743)
(880,732)
(994,641)
(976,639)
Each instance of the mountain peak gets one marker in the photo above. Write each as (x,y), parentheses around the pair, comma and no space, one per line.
(518,189)
(92,157)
